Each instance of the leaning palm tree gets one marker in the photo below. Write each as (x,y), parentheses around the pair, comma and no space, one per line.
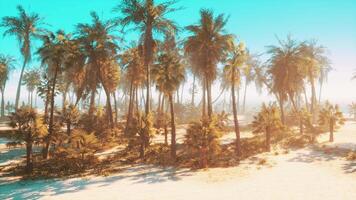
(32,79)
(6,65)
(25,27)
(169,74)
(331,117)
(267,121)
(206,47)
(148,18)
(232,73)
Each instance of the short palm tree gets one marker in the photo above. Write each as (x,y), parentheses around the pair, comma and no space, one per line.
(232,73)
(267,121)
(25,27)
(206,47)
(169,74)
(6,65)
(148,18)
(30,128)
(331,117)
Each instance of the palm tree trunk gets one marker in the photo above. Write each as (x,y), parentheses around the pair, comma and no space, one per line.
(306,99)
(236,121)
(313,101)
(173,129)
(29,163)
(181,94)
(204,100)
(193,90)
(281,106)
(320,90)
(159,103)
(51,119)
(177,96)
(19,84)
(129,113)
(210,109)
(2,104)
(116,109)
(92,102)
(148,52)
(64,99)
(244,100)
(268,140)
(331,127)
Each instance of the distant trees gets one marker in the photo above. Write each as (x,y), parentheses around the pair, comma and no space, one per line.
(6,65)
(330,116)
(31,79)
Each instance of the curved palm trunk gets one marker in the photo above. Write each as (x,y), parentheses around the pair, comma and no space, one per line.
(19,84)
(51,119)
(173,129)
(148,51)
(236,121)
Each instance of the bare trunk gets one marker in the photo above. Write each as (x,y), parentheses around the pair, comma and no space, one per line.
(51,119)
(173,130)
(116,109)
(29,160)
(210,108)
(92,102)
(281,106)
(236,121)
(204,100)
(19,85)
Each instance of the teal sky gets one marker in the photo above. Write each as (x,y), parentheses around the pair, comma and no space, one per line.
(257,22)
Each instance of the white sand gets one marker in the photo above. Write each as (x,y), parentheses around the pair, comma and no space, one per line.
(301,174)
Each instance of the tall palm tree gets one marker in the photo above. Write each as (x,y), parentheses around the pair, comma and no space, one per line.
(206,47)
(285,72)
(99,46)
(148,18)
(32,79)
(25,27)
(53,53)
(248,73)
(232,73)
(169,74)
(6,65)
(331,116)
(314,61)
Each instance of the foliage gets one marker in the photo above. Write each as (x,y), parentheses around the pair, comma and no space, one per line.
(331,116)
(202,141)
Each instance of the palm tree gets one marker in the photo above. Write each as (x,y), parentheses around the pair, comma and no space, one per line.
(53,54)
(25,27)
(169,74)
(99,47)
(331,117)
(32,79)
(6,65)
(285,72)
(31,129)
(267,121)
(148,18)
(352,108)
(206,47)
(323,78)
(249,74)
(315,62)
(232,75)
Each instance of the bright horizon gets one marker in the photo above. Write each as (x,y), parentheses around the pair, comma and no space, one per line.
(332,23)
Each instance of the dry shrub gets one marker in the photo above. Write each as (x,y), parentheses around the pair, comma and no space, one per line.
(297,141)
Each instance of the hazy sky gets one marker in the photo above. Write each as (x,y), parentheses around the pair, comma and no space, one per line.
(256,22)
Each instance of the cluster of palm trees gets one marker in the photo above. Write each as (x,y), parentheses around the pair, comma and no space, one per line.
(93,57)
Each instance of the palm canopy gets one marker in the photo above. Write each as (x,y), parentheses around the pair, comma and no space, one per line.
(32,79)
(330,115)
(144,13)
(235,65)
(285,69)
(208,44)
(267,118)
(24,27)
(168,73)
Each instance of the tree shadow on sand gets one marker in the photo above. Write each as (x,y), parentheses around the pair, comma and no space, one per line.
(326,154)
(35,189)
